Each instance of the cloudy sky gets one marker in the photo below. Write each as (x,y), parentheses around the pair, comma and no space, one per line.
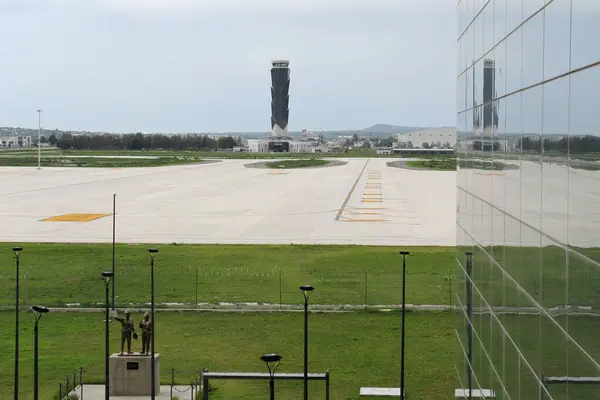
(203,65)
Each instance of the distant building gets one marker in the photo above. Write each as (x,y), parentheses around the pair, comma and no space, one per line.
(433,137)
(280,144)
(15,141)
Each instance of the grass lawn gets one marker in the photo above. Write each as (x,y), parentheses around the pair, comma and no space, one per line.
(360,349)
(438,164)
(65,161)
(288,164)
(57,274)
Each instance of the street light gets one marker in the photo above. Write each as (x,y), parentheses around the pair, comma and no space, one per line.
(469,293)
(107,275)
(306,291)
(404,254)
(38,312)
(17,251)
(153,379)
(271,359)
(39,138)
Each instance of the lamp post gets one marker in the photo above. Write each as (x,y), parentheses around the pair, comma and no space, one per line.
(113,250)
(107,275)
(38,312)
(271,359)
(306,291)
(39,138)
(404,254)
(17,251)
(152,369)
(469,293)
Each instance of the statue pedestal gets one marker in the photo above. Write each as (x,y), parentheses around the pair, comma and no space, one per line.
(131,374)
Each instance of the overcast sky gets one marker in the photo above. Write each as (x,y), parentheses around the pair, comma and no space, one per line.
(203,65)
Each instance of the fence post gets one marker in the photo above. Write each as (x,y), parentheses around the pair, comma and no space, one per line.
(172,380)
(192,387)
(205,385)
(366,286)
(80,383)
(327,385)
(280,297)
(60,396)
(196,287)
(74,380)
(67,386)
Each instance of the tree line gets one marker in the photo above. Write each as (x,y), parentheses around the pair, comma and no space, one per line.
(139,141)
(571,144)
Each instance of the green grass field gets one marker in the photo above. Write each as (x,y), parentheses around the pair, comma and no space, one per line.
(58,274)
(201,154)
(438,164)
(360,349)
(291,164)
(66,161)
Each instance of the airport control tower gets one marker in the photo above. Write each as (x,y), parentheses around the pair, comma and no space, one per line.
(280,97)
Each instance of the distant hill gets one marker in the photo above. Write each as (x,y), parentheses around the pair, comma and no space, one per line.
(390,129)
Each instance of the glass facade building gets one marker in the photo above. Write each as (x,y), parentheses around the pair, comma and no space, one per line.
(528,198)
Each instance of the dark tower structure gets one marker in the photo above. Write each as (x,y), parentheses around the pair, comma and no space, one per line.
(490,112)
(280,97)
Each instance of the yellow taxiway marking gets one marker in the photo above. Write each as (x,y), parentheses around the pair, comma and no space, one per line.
(363,213)
(75,217)
(368,208)
(364,220)
(370,201)
(278,173)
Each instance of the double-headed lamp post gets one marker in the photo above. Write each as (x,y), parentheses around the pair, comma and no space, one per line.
(38,312)
(152,368)
(404,254)
(306,291)
(17,251)
(107,275)
(272,361)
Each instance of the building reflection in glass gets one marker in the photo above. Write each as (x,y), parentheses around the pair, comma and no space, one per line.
(528,191)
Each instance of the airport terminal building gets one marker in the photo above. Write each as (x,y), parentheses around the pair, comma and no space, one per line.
(528,225)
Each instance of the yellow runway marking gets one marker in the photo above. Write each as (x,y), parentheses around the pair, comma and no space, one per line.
(364,220)
(75,217)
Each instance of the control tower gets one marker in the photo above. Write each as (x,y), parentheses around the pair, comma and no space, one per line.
(280,97)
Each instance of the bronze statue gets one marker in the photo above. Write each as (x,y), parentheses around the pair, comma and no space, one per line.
(146,327)
(127,330)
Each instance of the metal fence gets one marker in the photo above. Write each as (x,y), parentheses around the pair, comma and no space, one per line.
(70,384)
(200,287)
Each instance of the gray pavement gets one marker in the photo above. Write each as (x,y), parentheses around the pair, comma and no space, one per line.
(227,203)
(96,392)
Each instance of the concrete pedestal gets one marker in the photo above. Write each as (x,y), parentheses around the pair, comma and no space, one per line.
(130,374)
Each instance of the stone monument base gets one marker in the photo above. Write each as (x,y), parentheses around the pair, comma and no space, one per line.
(131,374)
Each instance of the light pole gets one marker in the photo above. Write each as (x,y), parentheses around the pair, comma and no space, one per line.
(404,254)
(271,359)
(39,138)
(113,250)
(152,369)
(38,312)
(306,291)
(107,275)
(469,293)
(17,251)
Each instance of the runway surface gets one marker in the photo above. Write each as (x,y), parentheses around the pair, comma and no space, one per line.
(363,202)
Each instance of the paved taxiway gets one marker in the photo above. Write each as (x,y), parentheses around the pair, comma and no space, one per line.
(362,202)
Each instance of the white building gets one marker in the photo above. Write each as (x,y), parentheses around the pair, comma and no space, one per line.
(15,141)
(283,144)
(433,136)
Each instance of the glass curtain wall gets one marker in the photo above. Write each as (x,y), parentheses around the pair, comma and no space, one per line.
(528,196)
